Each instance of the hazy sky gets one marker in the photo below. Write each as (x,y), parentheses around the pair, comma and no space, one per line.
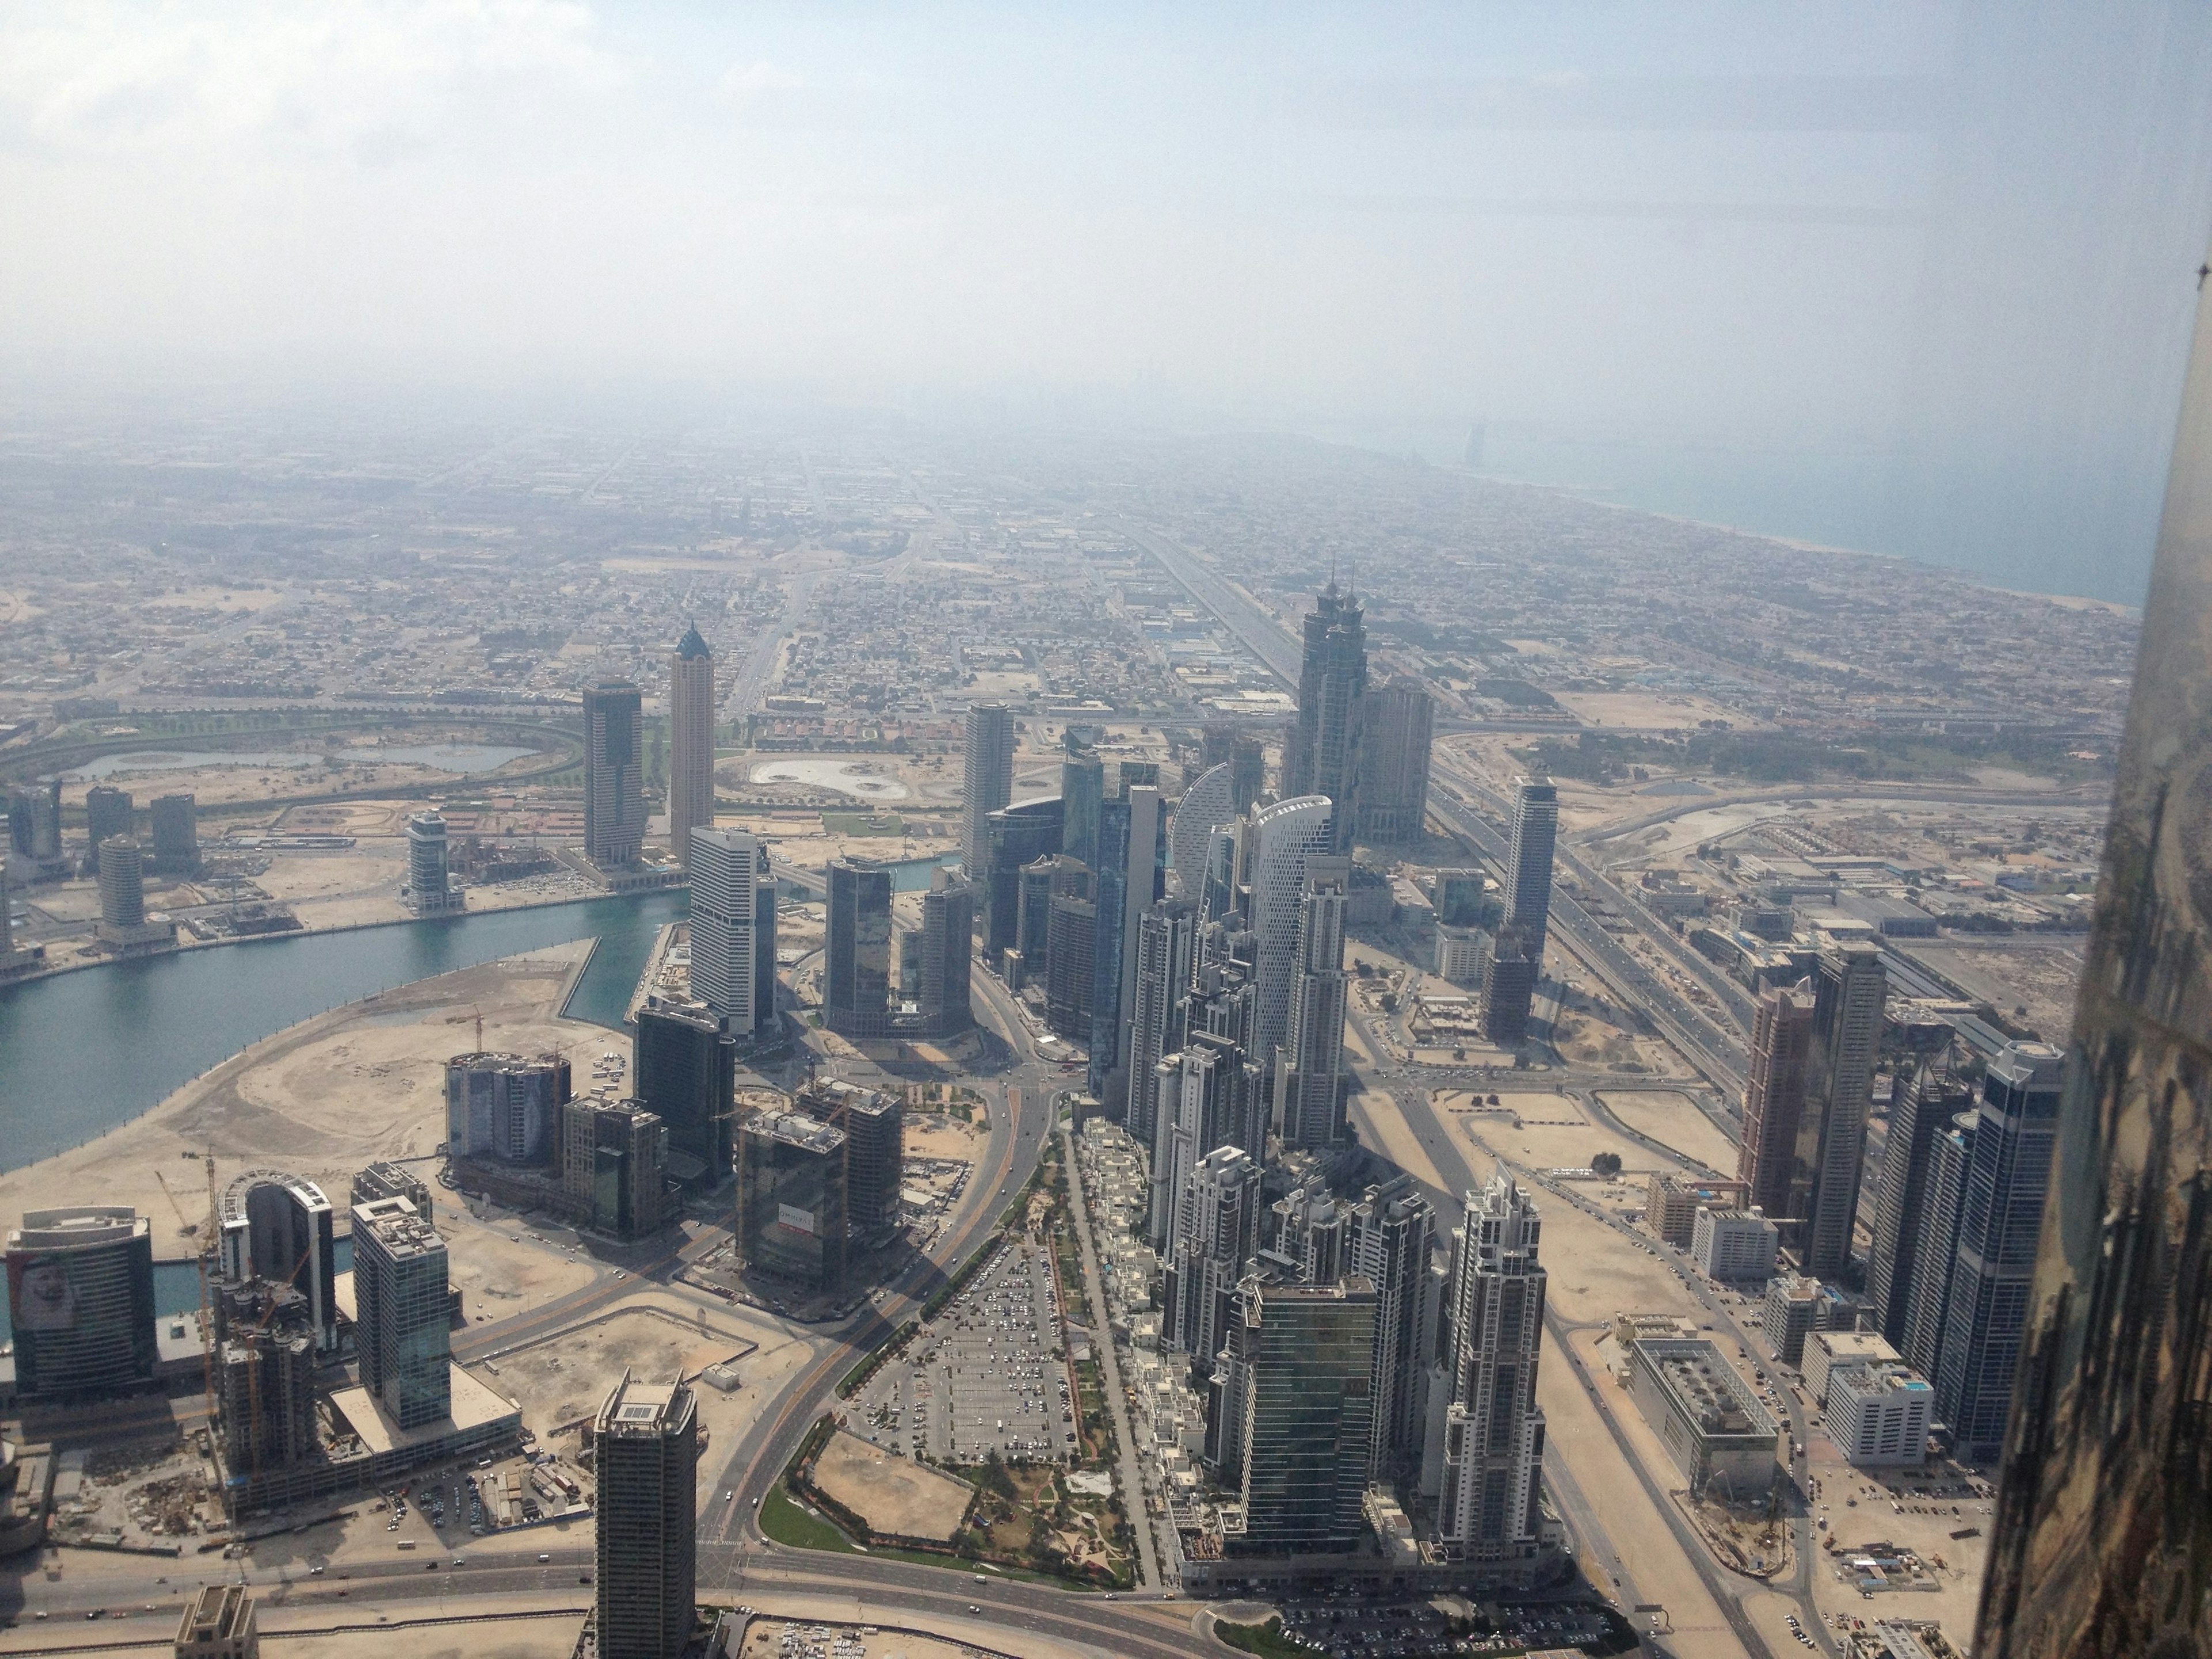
(1941,256)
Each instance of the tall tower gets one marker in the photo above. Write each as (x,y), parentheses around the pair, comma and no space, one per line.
(399,1290)
(1950,1159)
(1082,795)
(1923,1104)
(986,779)
(1206,806)
(614,773)
(948,930)
(856,975)
(108,814)
(1143,880)
(1528,866)
(726,866)
(1394,767)
(1286,836)
(1307,1073)
(1774,1097)
(2015,1133)
(645,1443)
(1203,1100)
(1220,1231)
(1493,1456)
(1824,1185)
(1299,1365)
(176,834)
(690,742)
(1334,642)
(121,883)
(1159,1005)
(685,1072)
(430,891)
(1393,1238)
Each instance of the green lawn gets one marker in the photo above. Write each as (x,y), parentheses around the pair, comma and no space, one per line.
(1265,1639)
(781,1519)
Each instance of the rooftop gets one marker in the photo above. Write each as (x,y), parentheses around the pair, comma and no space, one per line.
(794,1129)
(76,1227)
(1705,1387)
(471,1405)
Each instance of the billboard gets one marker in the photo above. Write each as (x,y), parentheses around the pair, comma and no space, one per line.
(792,1216)
(40,1297)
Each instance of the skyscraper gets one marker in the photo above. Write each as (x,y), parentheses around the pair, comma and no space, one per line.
(614,773)
(81,1299)
(1394,762)
(1393,1238)
(1924,1101)
(1020,835)
(108,814)
(430,889)
(1204,1102)
(1528,865)
(1774,1098)
(793,1191)
(690,742)
(614,1164)
(176,834)
(1248,773)
(646,1452)
(1287,835)
(1308,1072)
(1142,832)
(765,1023)
(986,779)
(404,1324)
(35,827)
(1493,1454)
(856,976)
(1071,950)
(2016,1134)
(726,866)
(1334,642)
(1848,993)
(506,1106)
(1206,806)
(1949,1158)
(1220,1231)
(1159,1004)
(1300,1370)
(685,1072)
(122,886)
(1508,968)
(1082,790)
(948,935)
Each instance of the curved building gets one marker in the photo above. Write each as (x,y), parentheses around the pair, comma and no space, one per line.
(1206,805)
(81,1299)
(278,1227)
(1285,836)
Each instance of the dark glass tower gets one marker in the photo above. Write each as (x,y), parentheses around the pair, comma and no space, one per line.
(856,977)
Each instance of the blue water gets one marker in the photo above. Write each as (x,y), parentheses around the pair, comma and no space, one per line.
(82,1052)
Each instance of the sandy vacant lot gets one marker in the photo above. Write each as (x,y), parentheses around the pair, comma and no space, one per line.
(319,1099)
(892,1494)
(1674,1121)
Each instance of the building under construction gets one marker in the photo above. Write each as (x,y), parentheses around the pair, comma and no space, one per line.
(873,1124)
(263,1372)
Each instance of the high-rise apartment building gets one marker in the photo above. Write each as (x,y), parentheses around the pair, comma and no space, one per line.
(403,1328)
(1206,805)
(1848,993)
(1019,836)
(1159,1005)
(35,828)
(80,1302)
(645,1452)
(1949,1159)
(1493,1452)
(1309,1088)
(792,1199)
(1298,1385)
(1528,862)
(2015,1135)
(1397,730)
(1509,974)
(726,866)
(948,936)
(1774,1098)
(176,834)
(122,886)
(986,781)
(1071,950)
(614,773)
(766,1025)
(685,1071)
(1392,1239)
(506,1106)
(1203,1102)
(1923,1102)
(1321,746)
(430,889)
(387,1180)
(1218,1232)
(281,1230)
(1286,836)
(856,977)
(614,1164)
(108,814)
(1083,791)
(873,1123)
(690,742)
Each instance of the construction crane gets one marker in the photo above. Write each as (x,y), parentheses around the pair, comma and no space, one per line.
(190,1229)
(207,1305)
(253,1368)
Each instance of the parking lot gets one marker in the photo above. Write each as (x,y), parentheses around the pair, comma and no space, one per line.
(989,1374)
(1406,1630)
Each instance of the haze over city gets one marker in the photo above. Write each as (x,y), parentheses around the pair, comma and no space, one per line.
(961,830)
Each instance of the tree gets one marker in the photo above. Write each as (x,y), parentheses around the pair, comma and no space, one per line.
(1606,1164)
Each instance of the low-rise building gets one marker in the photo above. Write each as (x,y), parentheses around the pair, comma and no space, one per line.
(1791,1314)
(219,1623)
(1734,1245)
(1705,1416)
(1671,1209)
(1827,1352)
(1878,1415)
